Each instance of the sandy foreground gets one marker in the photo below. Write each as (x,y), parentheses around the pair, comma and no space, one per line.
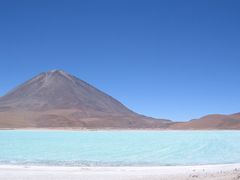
(216,172)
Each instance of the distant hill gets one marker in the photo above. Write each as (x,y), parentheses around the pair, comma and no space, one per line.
(213,121)
(57,99)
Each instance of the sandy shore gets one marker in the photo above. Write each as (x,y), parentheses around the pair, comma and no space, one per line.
(205,172)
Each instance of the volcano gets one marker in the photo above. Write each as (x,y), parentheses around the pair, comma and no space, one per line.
(57,99)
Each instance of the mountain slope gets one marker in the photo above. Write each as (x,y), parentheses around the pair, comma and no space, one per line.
(58,99)
(213,121)
(59,90)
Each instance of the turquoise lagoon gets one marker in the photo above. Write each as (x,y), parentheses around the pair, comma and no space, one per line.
(118,148)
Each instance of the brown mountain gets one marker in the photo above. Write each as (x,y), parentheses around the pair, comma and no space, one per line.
(213,121)
(58,99)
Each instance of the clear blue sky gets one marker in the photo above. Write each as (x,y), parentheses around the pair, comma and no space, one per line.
(170,59)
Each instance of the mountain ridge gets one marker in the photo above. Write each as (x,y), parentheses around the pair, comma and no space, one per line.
(211,122)
(58,99)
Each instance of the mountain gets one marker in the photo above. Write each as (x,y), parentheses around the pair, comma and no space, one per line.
(213,121)
(58,99)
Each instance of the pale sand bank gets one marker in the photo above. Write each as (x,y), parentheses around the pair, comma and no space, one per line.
(205,172)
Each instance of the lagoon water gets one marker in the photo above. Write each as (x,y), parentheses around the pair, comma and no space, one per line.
(118,148)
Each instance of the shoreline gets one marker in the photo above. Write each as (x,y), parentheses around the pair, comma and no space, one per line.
(202,172)
(108,129)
